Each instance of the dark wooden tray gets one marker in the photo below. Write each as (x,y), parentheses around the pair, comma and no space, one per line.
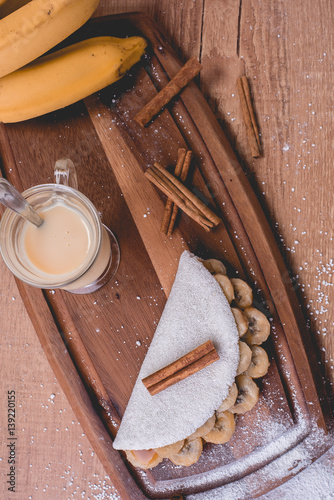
(96,343)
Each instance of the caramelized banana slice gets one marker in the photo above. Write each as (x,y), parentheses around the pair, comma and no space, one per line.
(225,285)
(214,266)
(204,429)
(259,363)
(241,320)
(258,328)
(145,459)
(245,357)
(222,430)
(248,394)
(243,293)
(189,453)
(170,449)
(229,401)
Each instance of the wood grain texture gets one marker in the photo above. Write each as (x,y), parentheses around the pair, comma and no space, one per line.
(280,48)
(94,353)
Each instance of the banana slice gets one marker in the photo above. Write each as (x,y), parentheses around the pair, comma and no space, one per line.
(259,363)
(170,449)
(258,327)
(214,266)
(204,429)
(229,401)
(245,357)
(225,285)
(243,293)
(241,320)
(222,430)
(248,394)
(189,453)
(145,459)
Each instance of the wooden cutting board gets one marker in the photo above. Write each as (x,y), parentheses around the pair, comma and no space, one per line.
(96,343)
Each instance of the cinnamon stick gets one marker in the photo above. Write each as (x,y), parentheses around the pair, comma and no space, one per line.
(181,154)
(188,195)
(182,196)
(173,87)
(183,177)
(178,197)
(249,117)
(187,365)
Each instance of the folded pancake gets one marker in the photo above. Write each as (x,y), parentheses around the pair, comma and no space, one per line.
(196,311)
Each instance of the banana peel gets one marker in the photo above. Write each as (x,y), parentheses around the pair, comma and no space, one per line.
(67,76)
(36,27)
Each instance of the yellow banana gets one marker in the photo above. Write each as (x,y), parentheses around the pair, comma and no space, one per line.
(36,27)
(66,76)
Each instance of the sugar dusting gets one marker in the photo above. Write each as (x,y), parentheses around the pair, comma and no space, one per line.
(310,481)
(196,311)
(285,459)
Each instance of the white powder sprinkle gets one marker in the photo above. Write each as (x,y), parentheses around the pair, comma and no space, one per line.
(310,481)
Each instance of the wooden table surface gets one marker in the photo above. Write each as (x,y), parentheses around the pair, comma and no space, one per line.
(285,48)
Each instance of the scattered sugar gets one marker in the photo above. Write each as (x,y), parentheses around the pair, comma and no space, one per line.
(316,483)
(311,481)
(196,311)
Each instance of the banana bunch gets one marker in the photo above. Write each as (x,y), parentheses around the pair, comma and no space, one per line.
(254,328)
(30,85)
(37,26)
